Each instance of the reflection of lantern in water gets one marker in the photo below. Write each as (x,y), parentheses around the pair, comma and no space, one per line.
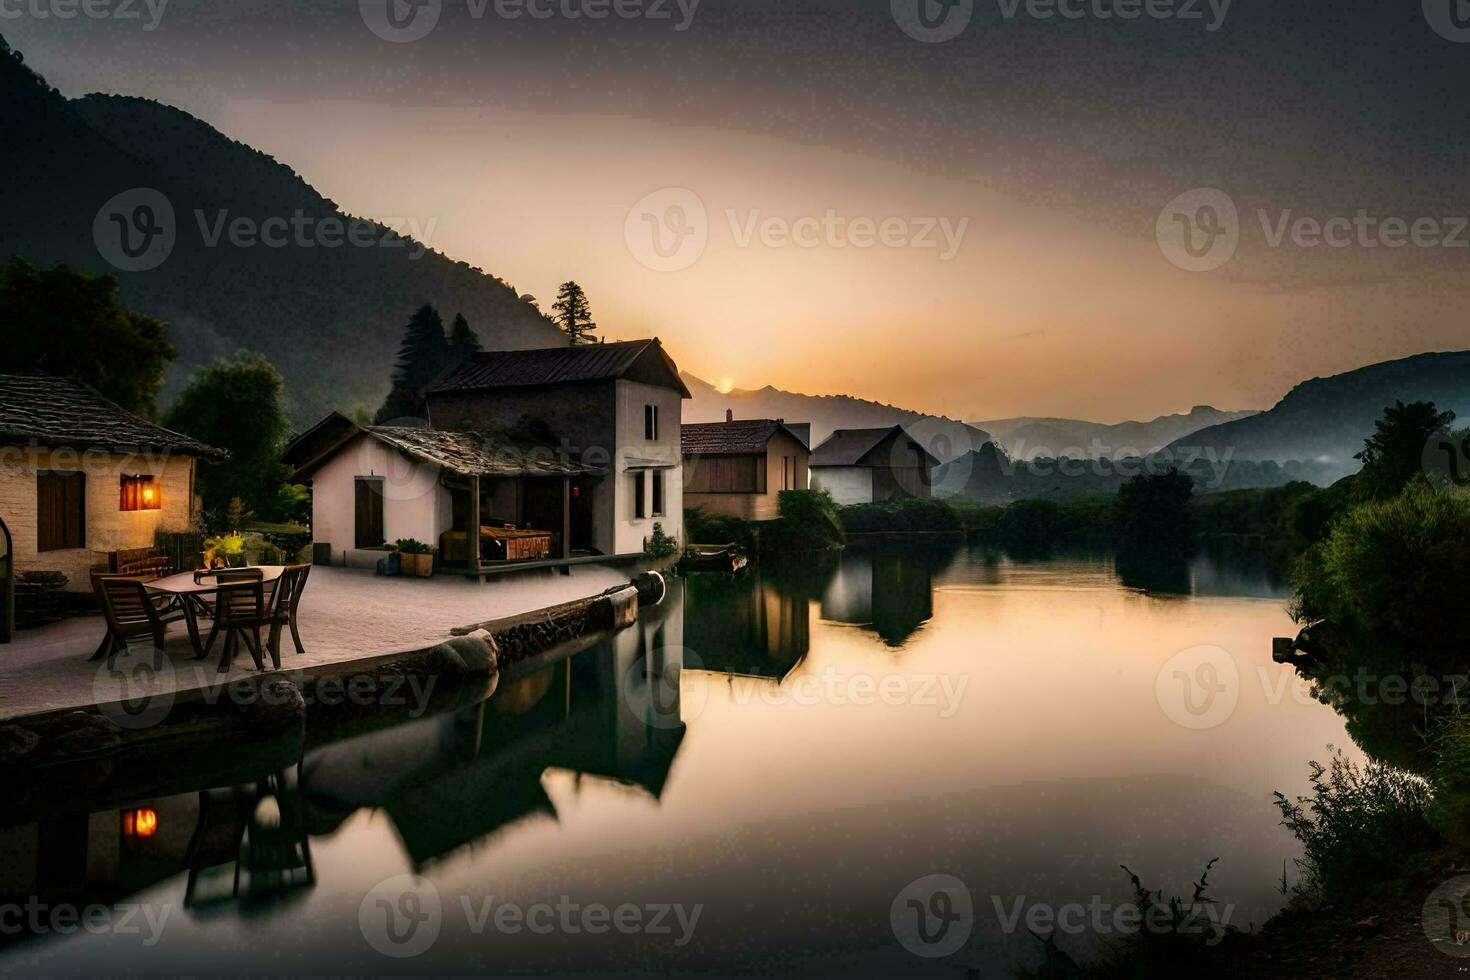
(140,823)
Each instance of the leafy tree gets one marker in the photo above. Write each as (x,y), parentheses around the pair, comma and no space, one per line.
(65,322)
(1155,507)
(574,314)
(421,357)
(237,404)
(1395,451)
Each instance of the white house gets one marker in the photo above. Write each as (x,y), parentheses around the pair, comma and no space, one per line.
(552,454)
(861,466)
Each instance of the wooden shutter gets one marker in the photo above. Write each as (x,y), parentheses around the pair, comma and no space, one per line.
(658,493)
(639,508)
(369,513)
(61,511)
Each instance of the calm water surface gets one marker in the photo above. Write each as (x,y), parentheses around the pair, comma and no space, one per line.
(841,726)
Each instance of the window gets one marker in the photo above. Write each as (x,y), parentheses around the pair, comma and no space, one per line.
(787,465)
(61,511)
(139,493)
(368,495)
(726,474)
(639,510)
(650,422)
(658,493)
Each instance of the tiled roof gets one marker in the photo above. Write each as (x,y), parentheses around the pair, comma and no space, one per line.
(470,454)
(848,447)
(59,412)
(728,438)
(551,365)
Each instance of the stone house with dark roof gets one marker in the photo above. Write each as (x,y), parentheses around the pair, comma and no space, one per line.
(738,467)
(81,477)
(863,466)
(556,454)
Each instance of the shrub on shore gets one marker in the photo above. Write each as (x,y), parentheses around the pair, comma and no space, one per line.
(908,515)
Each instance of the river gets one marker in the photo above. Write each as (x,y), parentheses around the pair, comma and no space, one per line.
(764,775)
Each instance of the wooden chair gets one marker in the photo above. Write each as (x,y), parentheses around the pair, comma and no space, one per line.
(285,602)
(132,612)
(240,610)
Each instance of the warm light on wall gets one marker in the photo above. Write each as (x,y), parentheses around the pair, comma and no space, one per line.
(140,823)
(139,493)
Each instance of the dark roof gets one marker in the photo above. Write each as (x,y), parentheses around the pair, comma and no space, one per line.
(59,412)
(852,447)
(461,453)
(731,438)
(558,365)
(318,439)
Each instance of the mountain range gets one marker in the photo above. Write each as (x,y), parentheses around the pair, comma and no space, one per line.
(80,173)
(1029,438)
(1325,420)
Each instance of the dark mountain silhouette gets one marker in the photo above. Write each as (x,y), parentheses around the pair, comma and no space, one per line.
(945,438)
(330,317)
(1325,420)
(1028,438)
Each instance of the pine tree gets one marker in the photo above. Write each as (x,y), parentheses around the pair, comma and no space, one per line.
(421,357)
(462,340)
(574,314)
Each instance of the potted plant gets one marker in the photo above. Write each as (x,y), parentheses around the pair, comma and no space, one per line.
(225,551)
(417,557)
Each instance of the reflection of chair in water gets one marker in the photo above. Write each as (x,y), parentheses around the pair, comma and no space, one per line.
(250,847)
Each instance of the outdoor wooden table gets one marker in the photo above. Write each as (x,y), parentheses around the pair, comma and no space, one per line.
(191,594)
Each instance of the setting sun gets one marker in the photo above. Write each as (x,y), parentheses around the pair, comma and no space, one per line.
(725,385)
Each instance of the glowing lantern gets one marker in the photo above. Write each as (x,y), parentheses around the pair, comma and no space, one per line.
(140,823)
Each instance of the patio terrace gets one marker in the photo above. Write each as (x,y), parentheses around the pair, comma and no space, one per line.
(346,615)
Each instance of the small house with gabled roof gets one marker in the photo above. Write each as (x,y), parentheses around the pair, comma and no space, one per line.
(863,466)
(81,477)
(738,467)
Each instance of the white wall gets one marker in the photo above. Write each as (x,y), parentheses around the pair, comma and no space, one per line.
(847,484)
(414,504)
(628,531)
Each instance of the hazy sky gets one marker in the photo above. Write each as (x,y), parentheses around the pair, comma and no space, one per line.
(966,226)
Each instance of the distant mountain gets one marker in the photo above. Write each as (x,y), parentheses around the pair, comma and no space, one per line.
(329,314)
(1028,438)
(1326,419)
(945,438)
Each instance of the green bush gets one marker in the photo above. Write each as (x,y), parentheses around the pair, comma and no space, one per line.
(702,527)
(412,546)
(660,545)
(1450,811)
(1397,573)
(1357,827)
(808,522)
(909,514)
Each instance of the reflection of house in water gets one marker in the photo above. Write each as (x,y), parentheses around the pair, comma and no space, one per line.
(751,625)
(609,712)
(888,590)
